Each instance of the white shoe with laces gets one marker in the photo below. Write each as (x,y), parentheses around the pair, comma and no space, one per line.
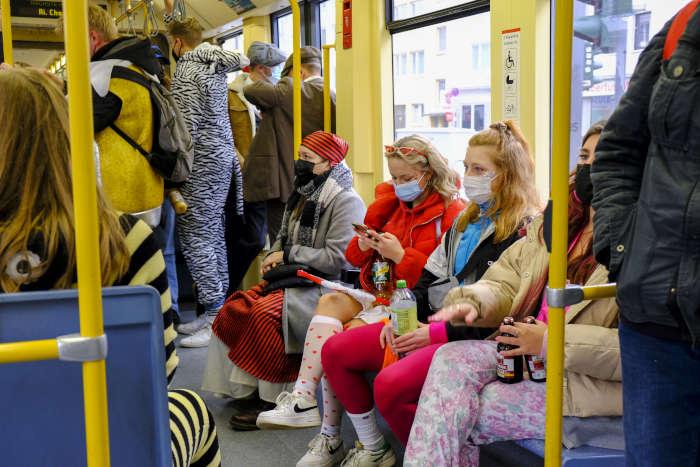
(292,411)
(324,451)
(361,457)
(200,338)
(193,326)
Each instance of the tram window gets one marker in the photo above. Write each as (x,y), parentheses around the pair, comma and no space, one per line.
(442,38)
(233,43)
(284,39)
(404,9)
(326,10)
(609,36)
(434,94)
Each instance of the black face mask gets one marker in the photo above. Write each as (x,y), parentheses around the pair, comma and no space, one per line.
(583,184)
(304,171)
(176,57)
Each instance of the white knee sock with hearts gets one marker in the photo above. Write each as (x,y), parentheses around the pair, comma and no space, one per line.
(320,330)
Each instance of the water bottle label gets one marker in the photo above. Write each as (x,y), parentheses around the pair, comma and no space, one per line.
(380,272)
(404,319)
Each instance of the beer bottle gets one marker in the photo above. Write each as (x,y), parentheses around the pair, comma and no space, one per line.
(509,370)
(535,364)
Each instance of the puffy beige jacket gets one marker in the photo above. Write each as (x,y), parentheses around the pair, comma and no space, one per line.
(592,376)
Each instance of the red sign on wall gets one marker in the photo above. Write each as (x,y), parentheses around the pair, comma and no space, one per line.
(347,24)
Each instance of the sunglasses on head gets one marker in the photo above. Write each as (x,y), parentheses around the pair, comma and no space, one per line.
(403,150)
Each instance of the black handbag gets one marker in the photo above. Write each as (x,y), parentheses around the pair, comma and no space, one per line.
(285,276)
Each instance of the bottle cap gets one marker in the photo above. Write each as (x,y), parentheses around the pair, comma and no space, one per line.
(400,284)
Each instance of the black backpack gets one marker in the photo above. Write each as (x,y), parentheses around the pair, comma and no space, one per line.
(172,152)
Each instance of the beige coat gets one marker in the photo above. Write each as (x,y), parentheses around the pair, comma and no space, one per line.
(593,374)
(269,168)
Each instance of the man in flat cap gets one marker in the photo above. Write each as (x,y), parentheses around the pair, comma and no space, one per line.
(269,169)
(245,234)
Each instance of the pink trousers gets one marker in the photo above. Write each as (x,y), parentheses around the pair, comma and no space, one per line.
(346,358)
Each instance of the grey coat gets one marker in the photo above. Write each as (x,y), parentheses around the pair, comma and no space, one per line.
(328,256)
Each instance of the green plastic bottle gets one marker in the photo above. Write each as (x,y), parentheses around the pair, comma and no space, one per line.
(404,309)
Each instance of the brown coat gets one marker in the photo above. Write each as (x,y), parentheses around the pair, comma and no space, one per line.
(241,125)
(592,376)
(269,169)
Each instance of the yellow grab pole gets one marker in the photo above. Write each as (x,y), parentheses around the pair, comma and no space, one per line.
(296,75)
(327,87)
(86,228)
(30,351)
(560,200)
(596,292)
(6,31)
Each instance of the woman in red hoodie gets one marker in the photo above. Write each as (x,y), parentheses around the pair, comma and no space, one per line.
(404,224)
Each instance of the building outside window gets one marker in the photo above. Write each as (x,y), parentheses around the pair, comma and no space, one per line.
(417,114)
(466,116)
(455,99)
(608,39)
(442,38)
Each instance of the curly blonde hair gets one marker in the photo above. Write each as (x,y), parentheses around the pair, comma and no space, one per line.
(428,159)
(188,30)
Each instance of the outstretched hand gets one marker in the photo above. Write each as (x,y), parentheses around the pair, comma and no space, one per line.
(457,312)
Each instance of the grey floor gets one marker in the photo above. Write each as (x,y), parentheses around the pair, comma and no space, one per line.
(269,448)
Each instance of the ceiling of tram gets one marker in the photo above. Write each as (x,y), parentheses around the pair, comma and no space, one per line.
(36,42)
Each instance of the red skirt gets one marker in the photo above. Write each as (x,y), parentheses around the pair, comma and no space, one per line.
(250,324)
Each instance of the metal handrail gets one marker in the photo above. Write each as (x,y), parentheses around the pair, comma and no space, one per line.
(560,200)
(6,31)
(327,87)
(296,75)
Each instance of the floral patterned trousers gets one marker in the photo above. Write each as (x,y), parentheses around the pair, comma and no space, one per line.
(463,405)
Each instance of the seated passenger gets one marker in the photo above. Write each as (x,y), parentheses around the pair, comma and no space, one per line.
(37,238)
(493,221)
(463,405)
(253,347)
(412,214)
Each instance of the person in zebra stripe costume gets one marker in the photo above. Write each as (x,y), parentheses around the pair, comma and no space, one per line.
(200,90)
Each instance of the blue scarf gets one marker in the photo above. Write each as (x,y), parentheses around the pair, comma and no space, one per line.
(470,239)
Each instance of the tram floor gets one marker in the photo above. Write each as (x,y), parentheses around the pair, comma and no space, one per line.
(282,448)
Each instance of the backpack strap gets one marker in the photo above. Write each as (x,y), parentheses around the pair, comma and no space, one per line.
(129,140)
(678,27)
(136,77)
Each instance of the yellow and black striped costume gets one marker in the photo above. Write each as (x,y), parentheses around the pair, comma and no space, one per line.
(193,440)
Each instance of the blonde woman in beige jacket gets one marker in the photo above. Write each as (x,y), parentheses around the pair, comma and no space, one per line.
(463,405)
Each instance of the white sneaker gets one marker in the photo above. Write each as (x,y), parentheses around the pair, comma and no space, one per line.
(361,457)
(324,451)
(199,339)
(292,411)
(193,326)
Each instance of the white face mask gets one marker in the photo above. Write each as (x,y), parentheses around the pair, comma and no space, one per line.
(478,187)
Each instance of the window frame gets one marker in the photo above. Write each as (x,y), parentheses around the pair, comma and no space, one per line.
(310,11)
(229,35)
(474,7)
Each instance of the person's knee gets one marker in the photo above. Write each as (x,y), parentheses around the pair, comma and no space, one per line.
(337,305)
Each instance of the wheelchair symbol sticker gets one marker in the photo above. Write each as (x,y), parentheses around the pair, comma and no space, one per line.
(510,61)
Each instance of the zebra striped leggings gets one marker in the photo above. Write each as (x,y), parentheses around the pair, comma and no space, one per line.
(193,440)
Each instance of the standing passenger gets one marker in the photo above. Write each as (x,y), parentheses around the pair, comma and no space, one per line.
(245,235)
(269,170)
(647,231)
(128,179)
(199,88)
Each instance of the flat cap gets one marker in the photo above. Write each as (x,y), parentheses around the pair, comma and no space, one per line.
(308,55)
(262,53)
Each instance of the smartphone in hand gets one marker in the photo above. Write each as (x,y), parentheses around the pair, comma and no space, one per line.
(362,229)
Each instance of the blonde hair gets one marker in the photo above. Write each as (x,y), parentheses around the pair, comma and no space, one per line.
(444,179)
(515,194)
(188,31)
(36,202)
(100,21)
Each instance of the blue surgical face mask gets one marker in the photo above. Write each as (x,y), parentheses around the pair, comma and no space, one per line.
(409,191)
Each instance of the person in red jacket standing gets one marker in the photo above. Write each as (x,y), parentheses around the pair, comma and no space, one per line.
(404,224)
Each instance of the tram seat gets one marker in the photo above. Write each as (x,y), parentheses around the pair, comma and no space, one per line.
(42,402)
(584,456)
